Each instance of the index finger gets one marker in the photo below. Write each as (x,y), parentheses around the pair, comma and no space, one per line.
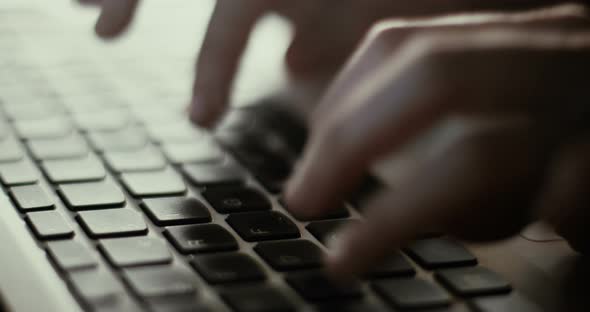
(476,189)
(225,40)
(114,17)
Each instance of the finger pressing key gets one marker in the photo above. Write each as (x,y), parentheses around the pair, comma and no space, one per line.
(114,17)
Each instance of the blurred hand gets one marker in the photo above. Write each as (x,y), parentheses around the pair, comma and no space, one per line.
(326,32)
(525,75)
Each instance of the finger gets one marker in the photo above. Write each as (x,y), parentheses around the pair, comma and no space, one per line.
(387,36)
(463,188)
(421,84)
(566,201)
(325,37)
(225,40)
(114,17)
(342,147)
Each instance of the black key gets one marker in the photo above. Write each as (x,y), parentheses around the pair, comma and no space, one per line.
(257,299)
(31,198)
(290,255)
(48,128)
(128,139)
(316,286)
(145,159)
(112,223)
(394,265)
(272,185)
(263,225)
(92,195)
(202,151)
(412,293)
(153,183)
(97,288)
(440,252)
(335,213)
(351,306)
(178,304)
(213,174)
(176,210)
(49,225)
(228,268)
(507,303)
(201,238)
(10,150)
(260,158)
(71,146)
(473,281)
(161,281)
(18,173)
(272,173)
(71,255)
(236,199)
(266,156)
(135,251)
(74,170)
(326,231)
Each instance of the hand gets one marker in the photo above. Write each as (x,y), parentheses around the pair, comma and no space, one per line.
(524,74)
(326,32)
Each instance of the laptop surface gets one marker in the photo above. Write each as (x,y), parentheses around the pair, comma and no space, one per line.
(112,201)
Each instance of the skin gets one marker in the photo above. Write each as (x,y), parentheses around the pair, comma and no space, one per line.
(529,159)
(520,77)
(326,32)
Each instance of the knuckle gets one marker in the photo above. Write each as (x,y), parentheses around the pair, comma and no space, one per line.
(334,137)
(484,152)
(386,34)
(502,161)
(382,30)
(430,56)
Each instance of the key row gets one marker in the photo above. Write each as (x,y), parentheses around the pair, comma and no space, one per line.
(404,293)
(68,160)
(285,255)
(90,114)
(251,226)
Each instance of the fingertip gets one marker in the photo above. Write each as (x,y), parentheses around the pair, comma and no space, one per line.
(105,31)
(295,196)
(202,114)
(339,260)
(114,17)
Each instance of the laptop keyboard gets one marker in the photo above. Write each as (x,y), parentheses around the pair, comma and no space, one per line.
(138,210)
(161,216)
